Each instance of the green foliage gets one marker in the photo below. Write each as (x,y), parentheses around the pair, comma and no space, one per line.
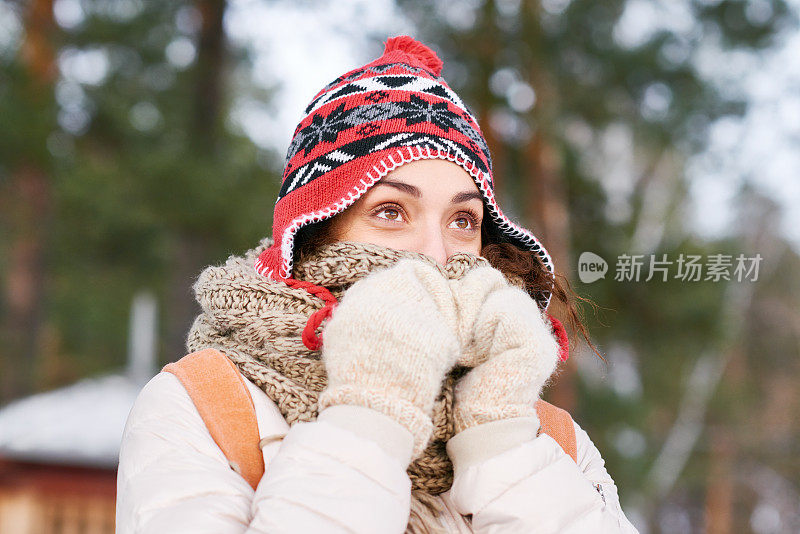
(148,168)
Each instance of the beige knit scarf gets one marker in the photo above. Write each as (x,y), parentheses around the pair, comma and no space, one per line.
(257,322)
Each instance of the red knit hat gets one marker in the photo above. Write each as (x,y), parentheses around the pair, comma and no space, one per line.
(368,122)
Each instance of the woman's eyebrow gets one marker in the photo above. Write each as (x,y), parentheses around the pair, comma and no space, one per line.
(415,192)
(466,195)
(402,186)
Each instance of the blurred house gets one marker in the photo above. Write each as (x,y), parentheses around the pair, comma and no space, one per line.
(59,450)
(58,457)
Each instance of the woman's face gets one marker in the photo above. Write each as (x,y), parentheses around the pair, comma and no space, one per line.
(430,206)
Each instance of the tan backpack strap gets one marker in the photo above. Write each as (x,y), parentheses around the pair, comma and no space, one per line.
(557,424)
(220,394)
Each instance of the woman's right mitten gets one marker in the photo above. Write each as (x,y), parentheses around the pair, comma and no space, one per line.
(470,292)
(389,344)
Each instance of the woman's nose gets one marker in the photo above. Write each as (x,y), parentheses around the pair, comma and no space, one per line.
(434,245)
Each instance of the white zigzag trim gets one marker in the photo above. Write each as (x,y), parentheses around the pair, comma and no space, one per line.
(406,155)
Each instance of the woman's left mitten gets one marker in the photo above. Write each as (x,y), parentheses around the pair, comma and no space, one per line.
(519,353)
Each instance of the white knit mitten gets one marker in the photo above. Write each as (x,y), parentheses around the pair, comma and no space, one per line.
(509,340)
(389,344)
(470,291)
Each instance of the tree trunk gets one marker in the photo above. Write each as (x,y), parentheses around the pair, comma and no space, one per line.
(190,253)
(720,489)
(547,208)
(191,248)
(486,50)
(209,73)
(29,213)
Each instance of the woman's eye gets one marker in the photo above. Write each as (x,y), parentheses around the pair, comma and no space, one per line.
(463,223)
(392,214)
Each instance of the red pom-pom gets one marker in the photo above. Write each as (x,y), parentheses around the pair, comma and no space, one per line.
(417,50)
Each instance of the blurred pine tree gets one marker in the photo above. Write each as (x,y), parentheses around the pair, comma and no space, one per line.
(150,178)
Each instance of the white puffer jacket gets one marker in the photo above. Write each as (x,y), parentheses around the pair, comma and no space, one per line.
(344,473)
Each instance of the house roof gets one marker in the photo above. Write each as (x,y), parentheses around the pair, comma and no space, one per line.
(80,424)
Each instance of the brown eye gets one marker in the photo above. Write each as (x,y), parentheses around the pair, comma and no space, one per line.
(391,214)
(463,223)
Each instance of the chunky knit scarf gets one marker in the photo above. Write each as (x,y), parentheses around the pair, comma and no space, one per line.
(258,323)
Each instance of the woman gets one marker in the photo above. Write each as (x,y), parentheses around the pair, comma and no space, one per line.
(393,338)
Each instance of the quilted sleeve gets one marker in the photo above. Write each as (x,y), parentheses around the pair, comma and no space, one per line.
(532,485)
(344,472)
(172,476)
